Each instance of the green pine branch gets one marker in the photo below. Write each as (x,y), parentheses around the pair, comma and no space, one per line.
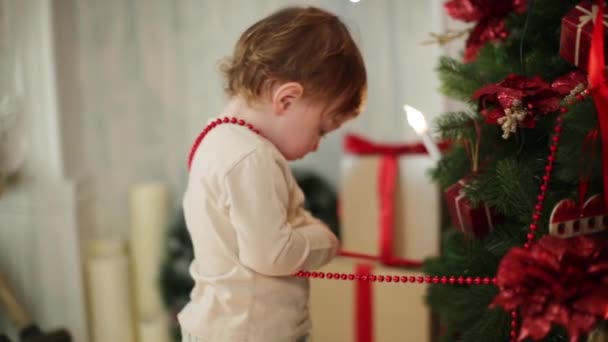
(485,329)
(456,126)
(458,80)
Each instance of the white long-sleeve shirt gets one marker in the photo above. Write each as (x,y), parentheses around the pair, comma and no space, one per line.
(244,212)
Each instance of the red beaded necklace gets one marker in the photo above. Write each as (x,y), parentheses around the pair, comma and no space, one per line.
(212,125)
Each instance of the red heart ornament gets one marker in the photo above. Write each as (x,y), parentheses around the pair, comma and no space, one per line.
(595,213)
(568,219)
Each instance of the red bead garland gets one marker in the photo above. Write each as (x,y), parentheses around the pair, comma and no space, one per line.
(514,325)
(540,199)
(381,278)
(212,125)
(544,187)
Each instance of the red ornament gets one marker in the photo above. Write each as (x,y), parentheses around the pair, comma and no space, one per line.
(533,94)
(466,218)
(556,281)
(577,29)
(586,215)
(569,219)
(489,16)
(564,85)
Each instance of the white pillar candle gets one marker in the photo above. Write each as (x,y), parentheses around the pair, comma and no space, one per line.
(109,292)
(149,208)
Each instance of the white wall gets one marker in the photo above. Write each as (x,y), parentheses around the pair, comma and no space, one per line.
(41,213)
(149,82)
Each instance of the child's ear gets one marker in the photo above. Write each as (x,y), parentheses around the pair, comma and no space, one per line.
(284,96)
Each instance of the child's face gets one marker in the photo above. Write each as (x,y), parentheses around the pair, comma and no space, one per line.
(303,125)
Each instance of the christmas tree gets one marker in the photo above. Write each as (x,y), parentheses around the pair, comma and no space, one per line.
(523,181)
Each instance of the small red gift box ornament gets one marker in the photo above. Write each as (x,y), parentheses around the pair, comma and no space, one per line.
(466,218)
(568,219)
(478,220)
(577,28)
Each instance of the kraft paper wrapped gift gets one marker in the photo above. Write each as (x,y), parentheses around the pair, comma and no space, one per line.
(415,206)
(398,309)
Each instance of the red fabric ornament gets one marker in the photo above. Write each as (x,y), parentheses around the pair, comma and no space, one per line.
(564,84)
(490,17)
(533,94)
(556,281)
(576,34)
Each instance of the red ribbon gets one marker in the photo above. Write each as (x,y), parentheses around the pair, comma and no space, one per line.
(363,305)
(587,153)
(598,82)
(387,182)
(393,262)
(358,145)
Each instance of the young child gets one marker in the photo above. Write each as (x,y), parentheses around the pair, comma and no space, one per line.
(295,76)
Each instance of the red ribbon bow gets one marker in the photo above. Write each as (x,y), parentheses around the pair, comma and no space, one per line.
(355,144)
(387,178)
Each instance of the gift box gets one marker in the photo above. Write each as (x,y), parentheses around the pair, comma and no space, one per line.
(388,205)
(364,311)
(478,220)
(576,32)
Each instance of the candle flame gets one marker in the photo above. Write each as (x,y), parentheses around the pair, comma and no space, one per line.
(415,119)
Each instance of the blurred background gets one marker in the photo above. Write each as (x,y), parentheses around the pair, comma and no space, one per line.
(100,103)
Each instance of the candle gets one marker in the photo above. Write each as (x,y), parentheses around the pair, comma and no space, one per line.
(149,210)
(416,120)
(110,296)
